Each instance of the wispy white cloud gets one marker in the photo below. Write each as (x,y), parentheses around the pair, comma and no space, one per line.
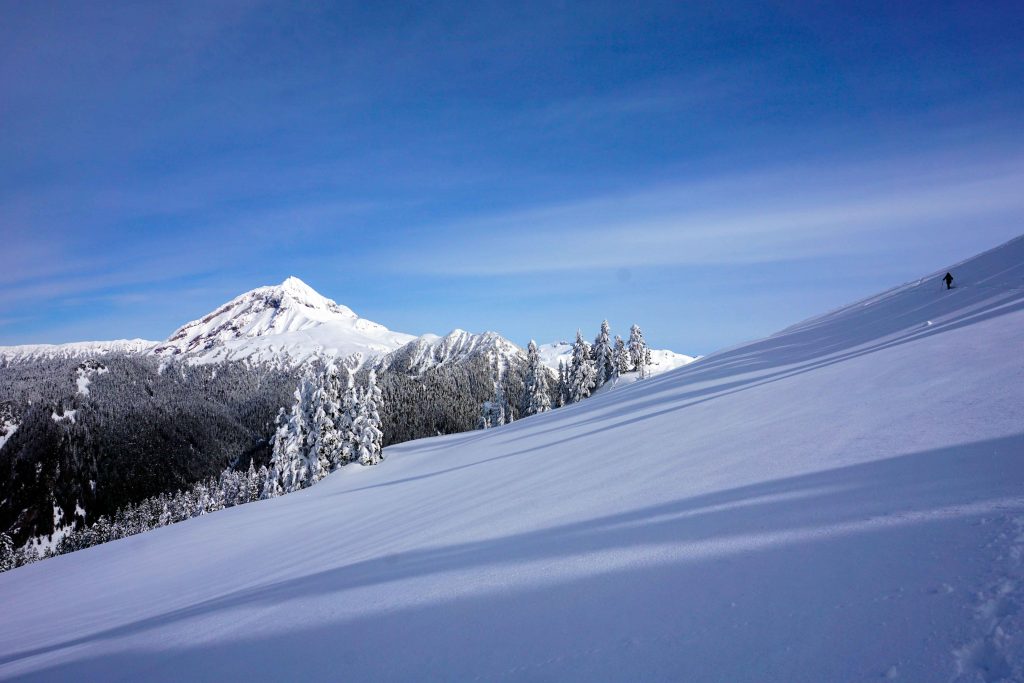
(776,215)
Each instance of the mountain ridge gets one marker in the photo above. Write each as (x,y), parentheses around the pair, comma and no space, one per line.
(292,323)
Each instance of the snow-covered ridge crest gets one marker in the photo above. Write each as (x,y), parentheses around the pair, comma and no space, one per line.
(430,350)
(288,323)
(85,349)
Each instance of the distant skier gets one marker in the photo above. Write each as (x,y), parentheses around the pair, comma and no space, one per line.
(948,280)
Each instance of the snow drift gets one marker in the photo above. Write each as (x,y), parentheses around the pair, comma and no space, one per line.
(841,501)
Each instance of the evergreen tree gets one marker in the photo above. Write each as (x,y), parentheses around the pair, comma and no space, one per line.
(639,356)
(252,483)
(621,357)
(262,476)
(347,420)
(582,373)
(325,439)
(536,395)
(202,504)
(25,555)
(6,553)
(601,353)
(216,498)
(228,485)
(375,401)
(368,436)
(494,410)
(295,463)
(272,486)
(563,384)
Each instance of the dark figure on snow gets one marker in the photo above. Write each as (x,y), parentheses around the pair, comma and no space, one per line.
(948,280)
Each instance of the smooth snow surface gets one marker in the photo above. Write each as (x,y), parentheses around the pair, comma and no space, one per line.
(843,501)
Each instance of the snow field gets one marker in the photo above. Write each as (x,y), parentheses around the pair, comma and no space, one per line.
(841,501)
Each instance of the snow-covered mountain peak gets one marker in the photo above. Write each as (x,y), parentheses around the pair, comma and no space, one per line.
(294,290)
(290,319)
(287,307)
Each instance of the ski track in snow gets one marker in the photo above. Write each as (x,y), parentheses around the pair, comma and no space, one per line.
(842,501)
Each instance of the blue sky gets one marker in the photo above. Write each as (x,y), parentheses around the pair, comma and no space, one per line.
(713,171)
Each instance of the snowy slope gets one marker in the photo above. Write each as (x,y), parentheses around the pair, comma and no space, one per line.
(662,360)
(843,501)
(288,320)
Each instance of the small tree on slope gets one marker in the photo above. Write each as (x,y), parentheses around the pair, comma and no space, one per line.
(369,437)
(582,373)
(325,410)
(563,384)
(638,354)
(272,481)
(347,418)
(621,356)
(493,413)
(536,395)
(294,463)
(601,352)
(6,553)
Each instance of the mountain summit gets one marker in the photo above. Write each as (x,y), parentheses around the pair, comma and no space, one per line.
(290,319)
(290,306)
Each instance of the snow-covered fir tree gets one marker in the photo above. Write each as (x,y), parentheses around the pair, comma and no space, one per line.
(262,475)
(347,418)
(621,356)
(325,411)
(536,397)
(601,352)
(368,436)
(494,411)
(639,356)
(273,474)
(563,384)
(582,373)
(6,553)
(252,483)
(376,400)
(295,463)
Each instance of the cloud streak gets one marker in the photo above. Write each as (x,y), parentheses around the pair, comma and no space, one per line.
(773,216)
